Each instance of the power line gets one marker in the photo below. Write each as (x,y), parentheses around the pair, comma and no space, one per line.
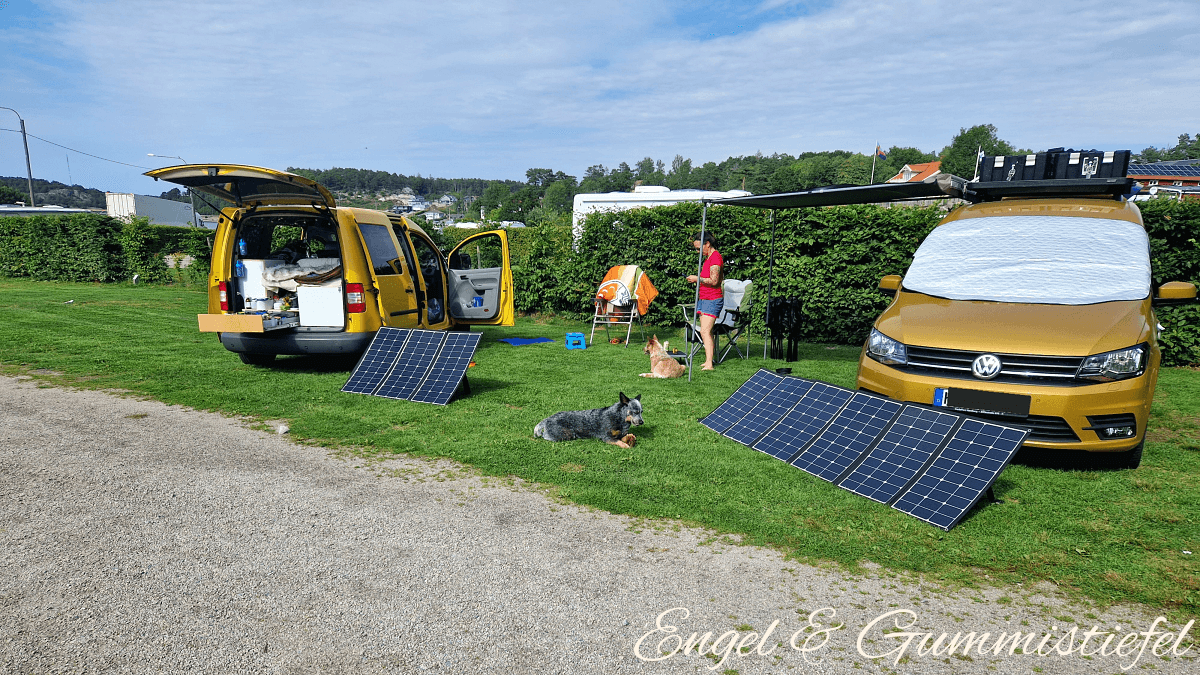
(80,151)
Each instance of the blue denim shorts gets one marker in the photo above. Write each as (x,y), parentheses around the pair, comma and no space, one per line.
(710,307)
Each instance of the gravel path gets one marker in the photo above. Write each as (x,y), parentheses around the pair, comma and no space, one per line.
(138,537)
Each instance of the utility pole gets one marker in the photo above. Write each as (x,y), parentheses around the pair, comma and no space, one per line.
(195,218)
(28,168)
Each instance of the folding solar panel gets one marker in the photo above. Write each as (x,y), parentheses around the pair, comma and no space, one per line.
(804,421)
(961,474)
(448,370)
(895,460)
(412,365)
(741,401)
(848,436)
(377,361)
(773,406)
(929,463)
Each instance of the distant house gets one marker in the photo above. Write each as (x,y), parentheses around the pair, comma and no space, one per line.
(418,204)
(446,200)
(1179,173)
(916,173)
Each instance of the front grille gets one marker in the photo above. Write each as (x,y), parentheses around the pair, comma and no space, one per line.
(1041,427)
(1015,368)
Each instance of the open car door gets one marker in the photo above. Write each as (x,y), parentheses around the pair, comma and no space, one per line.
(480,281)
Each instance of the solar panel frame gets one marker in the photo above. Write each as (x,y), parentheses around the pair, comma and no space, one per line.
(848,437)
(774,406)
(961,473)
(377,361)
(741,401)
(448,369)
(909,444)
(412,365)
(804,422)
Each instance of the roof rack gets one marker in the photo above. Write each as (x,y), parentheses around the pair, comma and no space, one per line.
(1056,173)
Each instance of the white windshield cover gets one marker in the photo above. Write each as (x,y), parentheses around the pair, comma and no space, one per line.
(1055,260)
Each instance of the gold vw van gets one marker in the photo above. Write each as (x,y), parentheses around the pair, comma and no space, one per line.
(292,273)
(1035,311)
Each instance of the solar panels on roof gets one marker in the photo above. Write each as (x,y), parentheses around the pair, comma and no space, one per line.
(1163,169)
(426,366)
(930,464)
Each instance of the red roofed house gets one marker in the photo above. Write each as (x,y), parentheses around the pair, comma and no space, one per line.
(915,173)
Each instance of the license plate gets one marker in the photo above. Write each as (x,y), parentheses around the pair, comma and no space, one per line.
(971,400)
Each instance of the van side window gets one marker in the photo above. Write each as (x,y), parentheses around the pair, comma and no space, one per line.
(481,254)
(384,259)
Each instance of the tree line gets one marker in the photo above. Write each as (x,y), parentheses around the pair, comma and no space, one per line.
(546,193)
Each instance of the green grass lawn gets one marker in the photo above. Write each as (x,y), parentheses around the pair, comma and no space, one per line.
(1113,536)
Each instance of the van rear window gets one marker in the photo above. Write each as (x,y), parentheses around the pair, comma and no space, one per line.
(1056,260)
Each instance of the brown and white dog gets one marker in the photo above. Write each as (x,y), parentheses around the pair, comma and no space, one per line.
(662,366)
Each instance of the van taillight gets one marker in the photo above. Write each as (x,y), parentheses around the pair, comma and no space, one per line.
(223,289)
(355,302)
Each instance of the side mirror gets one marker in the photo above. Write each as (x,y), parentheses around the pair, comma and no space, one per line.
(1175,293)
(889,285)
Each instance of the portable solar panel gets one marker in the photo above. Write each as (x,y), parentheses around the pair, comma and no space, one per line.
(415,359)
(961,474)
(377,361)
(804,421)
(448,370)
(773,406)
(741,401)
(895,460)
(848,436)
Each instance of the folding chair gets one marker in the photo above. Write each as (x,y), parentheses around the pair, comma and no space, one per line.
(733,322)
(623,298)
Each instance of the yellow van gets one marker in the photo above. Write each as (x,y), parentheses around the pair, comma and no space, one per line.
(292,273)
(1033,309)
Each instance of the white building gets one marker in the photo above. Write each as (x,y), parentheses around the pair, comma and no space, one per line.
(642,195)
(159,211)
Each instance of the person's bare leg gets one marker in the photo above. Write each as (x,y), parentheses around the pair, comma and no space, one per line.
(706,336)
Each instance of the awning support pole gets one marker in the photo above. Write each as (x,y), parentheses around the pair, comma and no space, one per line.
(699,268)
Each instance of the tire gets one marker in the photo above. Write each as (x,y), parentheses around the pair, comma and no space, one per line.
(256,359)
(1129,459)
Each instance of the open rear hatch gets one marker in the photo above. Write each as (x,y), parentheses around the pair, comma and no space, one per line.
(247,186)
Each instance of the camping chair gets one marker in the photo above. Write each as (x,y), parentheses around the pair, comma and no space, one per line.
(733,322)
(624,297)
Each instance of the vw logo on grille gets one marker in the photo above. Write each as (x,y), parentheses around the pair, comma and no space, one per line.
(986,366)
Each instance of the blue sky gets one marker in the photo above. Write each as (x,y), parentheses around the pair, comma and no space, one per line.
(489,89)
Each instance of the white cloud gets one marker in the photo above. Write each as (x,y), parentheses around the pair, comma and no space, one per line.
(489,89)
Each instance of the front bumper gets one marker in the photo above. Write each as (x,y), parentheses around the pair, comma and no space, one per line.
(1072,405)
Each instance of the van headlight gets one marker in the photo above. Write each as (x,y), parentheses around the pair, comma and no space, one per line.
(886,350)
(1119,365)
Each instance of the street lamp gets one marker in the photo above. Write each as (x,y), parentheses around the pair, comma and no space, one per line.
(28,169)
(195,218)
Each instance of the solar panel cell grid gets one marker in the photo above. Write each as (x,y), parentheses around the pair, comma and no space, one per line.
(375,363)
(778,402)
(848,436)
(447,372)
(970,462)
(805,420)
(900,454)
(741,401)
(414,362)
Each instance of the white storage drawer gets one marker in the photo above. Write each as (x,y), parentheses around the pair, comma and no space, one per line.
(321,305)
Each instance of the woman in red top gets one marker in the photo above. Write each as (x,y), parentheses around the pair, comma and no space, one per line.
(710,305)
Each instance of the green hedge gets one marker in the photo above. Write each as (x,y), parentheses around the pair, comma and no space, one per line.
(95,247)
(832,257)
